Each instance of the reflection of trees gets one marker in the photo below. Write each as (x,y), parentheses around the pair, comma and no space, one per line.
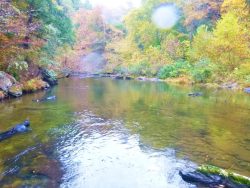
(207,128)
(43,117)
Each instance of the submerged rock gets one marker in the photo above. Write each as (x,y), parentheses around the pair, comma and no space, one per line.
(19,128)
(16,90)
(43,166)
(195,94)
(50,98)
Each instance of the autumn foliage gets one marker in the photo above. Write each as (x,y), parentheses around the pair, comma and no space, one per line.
(210,42)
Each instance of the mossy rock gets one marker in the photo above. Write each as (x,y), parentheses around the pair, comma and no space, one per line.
(49,76)
(239,179)
(34,85)
(16,90)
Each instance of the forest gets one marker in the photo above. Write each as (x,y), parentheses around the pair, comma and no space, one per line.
(148,93)
(208,43)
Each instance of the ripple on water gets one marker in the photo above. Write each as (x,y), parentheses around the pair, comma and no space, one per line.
(101,153)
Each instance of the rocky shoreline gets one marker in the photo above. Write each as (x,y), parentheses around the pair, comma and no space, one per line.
(11,88)
(228,86)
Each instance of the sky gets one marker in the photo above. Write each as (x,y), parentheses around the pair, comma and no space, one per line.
(114,10)
(116,3)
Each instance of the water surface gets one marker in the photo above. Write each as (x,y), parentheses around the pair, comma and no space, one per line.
(109,133)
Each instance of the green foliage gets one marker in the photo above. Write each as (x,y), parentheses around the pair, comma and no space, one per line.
(120,70)
(202,71)
(230,45)
(174,70)
(201,44)
(210,39)
(16,67)
(35,32)
(142,68)
(120,26)
(87,5)
(243,72)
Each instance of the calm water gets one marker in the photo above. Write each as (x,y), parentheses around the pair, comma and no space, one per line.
(108,133)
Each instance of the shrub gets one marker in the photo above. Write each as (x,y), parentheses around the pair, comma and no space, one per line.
(120,70)
(202,71)
(243,72)
(142,68)
(174,70)
(16,67)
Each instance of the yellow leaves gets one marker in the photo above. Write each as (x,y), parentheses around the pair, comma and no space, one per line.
(231,38)
(201,9)
(227,45)
(34,85)
(236,6)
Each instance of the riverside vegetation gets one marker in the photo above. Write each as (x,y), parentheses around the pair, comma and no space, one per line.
(210,43)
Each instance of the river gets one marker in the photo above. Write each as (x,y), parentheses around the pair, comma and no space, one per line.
(101,133)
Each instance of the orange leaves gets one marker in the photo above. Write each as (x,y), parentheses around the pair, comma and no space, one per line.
(201,9)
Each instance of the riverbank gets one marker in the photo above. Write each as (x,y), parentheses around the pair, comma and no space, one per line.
(230,86)
(11,88)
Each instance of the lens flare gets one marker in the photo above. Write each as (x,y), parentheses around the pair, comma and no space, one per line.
(165,17)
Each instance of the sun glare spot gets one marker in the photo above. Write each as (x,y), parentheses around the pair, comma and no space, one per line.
(165,17)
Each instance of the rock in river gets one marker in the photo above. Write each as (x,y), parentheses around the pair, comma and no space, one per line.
(16,90)
(19,128)
(49,76)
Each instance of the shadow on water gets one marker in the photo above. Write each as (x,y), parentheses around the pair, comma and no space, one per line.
(109,133)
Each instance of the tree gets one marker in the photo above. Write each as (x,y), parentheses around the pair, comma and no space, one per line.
(201,44)
(200,12)
(32,31)
(230,45)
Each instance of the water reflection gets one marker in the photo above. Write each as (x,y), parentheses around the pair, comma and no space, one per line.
(125,136)
(102,153)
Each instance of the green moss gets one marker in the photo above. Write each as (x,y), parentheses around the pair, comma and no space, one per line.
(239,179)
(209,169)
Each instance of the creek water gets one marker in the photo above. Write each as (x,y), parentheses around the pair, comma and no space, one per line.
(113,133)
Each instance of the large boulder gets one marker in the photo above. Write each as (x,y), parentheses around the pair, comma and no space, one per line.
(6,81)
(49,76)
(16,90)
